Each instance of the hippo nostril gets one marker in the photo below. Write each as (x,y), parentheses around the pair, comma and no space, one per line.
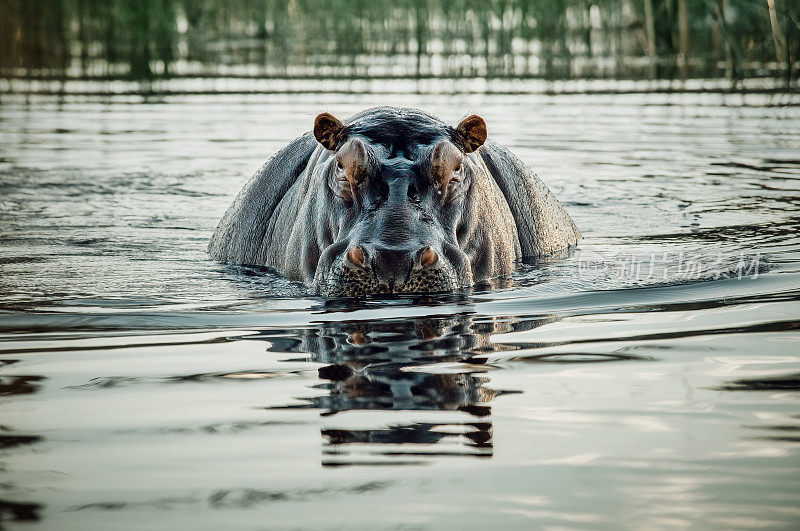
(428,257)
(357,255)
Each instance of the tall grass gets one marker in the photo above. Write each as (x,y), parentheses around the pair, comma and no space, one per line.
(550,39)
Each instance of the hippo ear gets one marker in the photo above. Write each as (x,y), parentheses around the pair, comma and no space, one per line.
(471,133)
(327,130)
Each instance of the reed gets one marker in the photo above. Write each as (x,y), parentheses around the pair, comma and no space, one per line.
(549,39)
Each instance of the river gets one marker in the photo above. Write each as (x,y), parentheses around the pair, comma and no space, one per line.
(649,379)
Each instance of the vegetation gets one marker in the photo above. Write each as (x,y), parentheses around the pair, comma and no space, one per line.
(550,39)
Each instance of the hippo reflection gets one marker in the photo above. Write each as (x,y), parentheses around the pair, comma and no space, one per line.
(395,365)
(393,201)
(367,364)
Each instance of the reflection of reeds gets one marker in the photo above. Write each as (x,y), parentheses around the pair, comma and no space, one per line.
(551,39)
(777,34)
(683,38)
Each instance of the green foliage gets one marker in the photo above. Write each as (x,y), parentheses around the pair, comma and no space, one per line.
(142,39)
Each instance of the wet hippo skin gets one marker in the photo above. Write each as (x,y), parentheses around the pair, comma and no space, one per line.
(393,200)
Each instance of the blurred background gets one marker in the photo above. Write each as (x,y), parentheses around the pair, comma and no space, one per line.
(733,41)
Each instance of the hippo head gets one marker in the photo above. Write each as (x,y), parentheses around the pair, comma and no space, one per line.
(393,201)
(396,194)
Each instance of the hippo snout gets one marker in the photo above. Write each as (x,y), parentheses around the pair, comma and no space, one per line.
(366,269)
(391,266)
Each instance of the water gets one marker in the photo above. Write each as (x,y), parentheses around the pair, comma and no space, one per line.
(649,379)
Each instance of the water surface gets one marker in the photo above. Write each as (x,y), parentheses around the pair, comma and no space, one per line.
(649,379)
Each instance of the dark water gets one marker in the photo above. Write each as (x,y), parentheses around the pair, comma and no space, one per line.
(650,379)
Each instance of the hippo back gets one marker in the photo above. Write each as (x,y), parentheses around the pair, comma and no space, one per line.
(241,235)
(543,226)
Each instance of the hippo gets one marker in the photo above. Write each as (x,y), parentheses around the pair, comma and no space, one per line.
(392,201)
